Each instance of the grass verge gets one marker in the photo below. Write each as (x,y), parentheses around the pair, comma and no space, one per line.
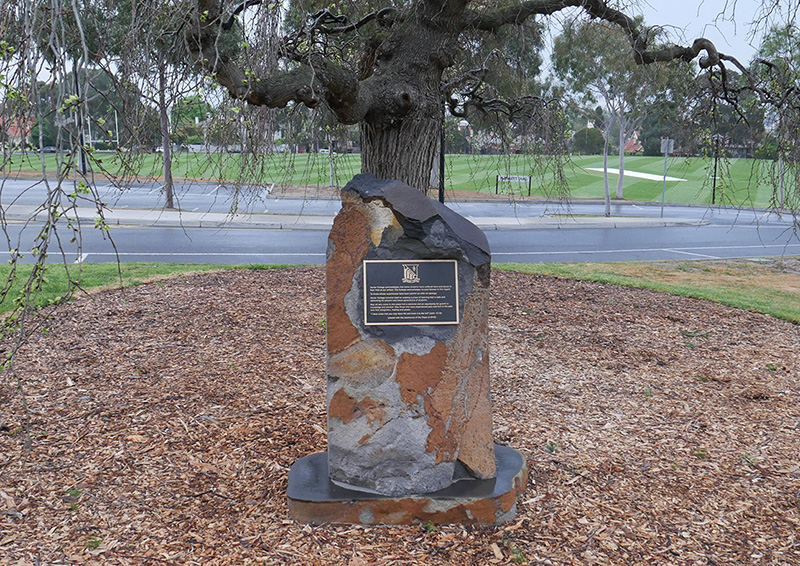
(766,285)
(91,277)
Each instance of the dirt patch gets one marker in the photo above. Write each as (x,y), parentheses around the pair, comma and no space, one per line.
(658,430)
(759,275)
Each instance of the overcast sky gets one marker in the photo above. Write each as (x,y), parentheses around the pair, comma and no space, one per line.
(716,20)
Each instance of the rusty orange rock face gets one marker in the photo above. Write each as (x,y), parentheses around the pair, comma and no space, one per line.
(348,244)
(413,373)
(407,404)
(345,408)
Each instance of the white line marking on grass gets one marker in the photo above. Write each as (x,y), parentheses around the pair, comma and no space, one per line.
(648,176)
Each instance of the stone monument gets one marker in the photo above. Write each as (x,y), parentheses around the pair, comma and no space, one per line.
(409,411)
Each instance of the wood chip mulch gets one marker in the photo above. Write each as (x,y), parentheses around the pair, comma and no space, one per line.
(658,430)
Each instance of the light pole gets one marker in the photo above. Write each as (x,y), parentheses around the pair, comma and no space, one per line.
(78,117)
(441,158)
(716,159)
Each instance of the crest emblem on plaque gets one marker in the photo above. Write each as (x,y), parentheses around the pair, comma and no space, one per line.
(410,273)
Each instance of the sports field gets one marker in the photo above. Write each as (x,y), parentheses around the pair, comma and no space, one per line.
(740,182)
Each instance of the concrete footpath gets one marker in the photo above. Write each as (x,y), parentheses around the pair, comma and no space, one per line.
(270,221)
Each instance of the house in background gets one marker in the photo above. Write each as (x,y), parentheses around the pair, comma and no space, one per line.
(13,134)
(633,146)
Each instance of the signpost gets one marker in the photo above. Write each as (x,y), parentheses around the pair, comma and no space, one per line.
(512,179)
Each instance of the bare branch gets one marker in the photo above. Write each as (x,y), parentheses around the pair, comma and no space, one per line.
(673,52)
(238,10)
(598,9)
(515,14)
(382,16)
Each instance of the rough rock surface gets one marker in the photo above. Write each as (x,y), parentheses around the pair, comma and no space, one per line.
(405,402)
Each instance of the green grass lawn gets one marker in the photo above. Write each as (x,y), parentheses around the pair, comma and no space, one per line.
(740,182)
(767,285)
(90,277)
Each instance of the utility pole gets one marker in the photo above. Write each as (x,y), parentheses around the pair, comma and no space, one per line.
(78,118)
(716,159)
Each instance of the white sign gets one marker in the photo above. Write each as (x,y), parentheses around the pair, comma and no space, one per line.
(513,178)
(667,145)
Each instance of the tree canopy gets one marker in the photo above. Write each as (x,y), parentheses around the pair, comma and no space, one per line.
(390,69)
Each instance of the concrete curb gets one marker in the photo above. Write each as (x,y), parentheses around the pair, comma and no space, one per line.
(265,221)
(567,223)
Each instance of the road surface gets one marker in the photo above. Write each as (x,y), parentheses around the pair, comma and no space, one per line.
(517,231)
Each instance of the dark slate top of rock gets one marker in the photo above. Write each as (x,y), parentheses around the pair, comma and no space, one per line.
(416,208)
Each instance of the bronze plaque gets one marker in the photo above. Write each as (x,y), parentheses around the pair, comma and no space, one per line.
(407,291)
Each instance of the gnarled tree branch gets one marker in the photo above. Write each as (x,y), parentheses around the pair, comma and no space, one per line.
(517,14)
(318,80)
(597,9)
(384,17)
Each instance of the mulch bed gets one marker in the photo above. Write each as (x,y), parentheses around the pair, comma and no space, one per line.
(658,430)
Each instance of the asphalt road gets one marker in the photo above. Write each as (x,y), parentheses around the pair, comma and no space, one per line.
(712,233)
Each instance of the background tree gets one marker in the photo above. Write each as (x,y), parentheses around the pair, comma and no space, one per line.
(588,141)
(663,121)
(148,50)
(189,119)
(104,102)
(592,59)
(777,64)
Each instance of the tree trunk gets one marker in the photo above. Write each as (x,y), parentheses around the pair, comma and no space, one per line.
(622,140)
(404,151)
(169,201)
